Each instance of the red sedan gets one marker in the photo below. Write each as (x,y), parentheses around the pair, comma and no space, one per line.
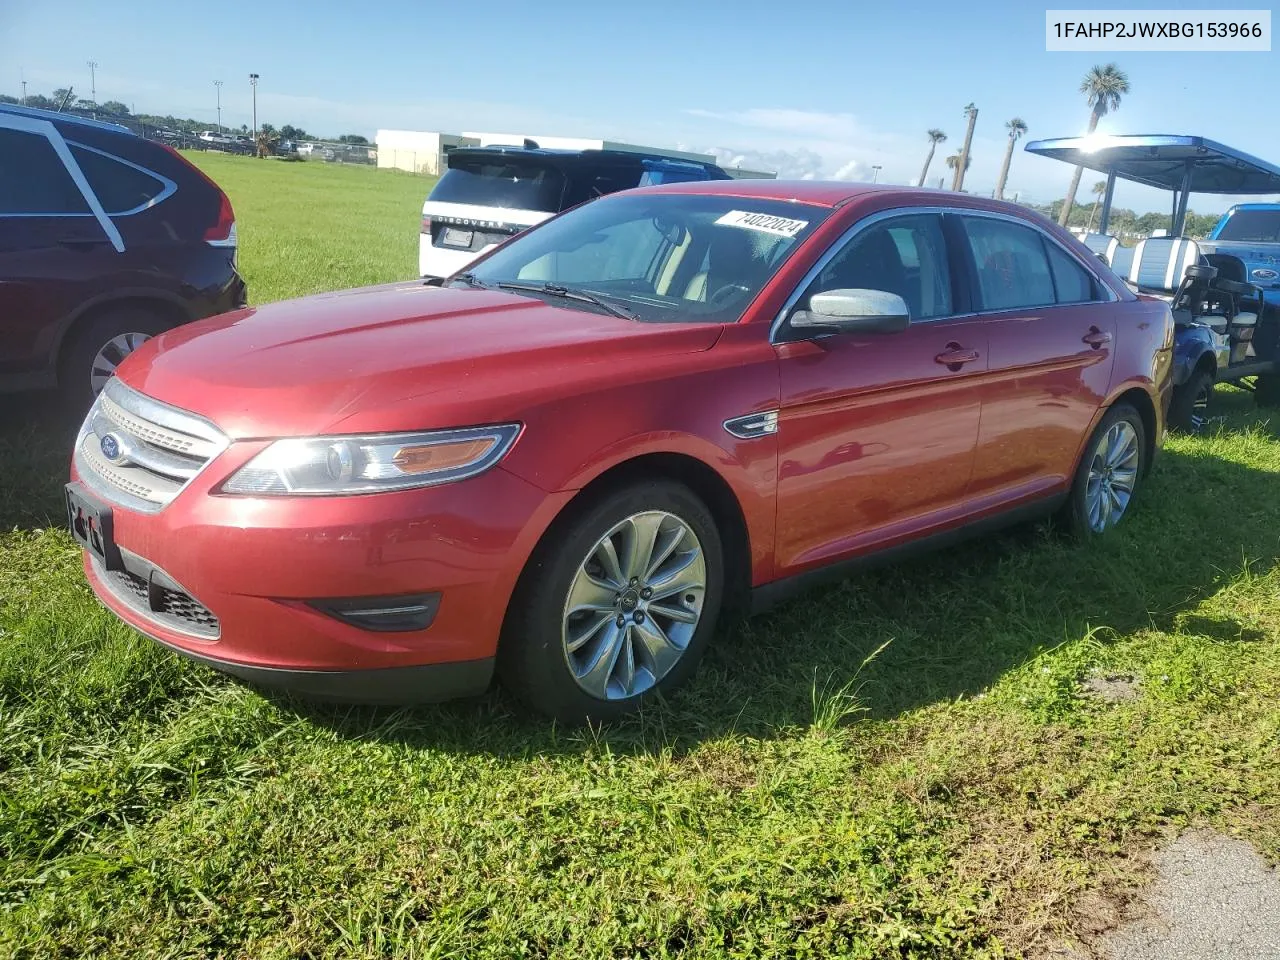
(563,465)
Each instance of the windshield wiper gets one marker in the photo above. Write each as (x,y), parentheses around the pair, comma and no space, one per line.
(471,280)
(569,293)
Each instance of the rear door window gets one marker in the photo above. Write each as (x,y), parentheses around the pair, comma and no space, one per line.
(515,184)
(1072,283)
(1013,269)
(120,187)
(33,179)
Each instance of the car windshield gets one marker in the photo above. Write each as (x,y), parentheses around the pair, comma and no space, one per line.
(514,184)
(661,256)
(1259,226)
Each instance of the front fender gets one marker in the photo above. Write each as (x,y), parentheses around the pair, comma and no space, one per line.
(1190,344)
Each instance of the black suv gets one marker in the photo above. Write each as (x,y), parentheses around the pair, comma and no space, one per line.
(106,239)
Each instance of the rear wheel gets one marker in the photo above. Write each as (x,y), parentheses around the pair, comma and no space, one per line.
(1189,409)
(99,347)
(1107,478)
(618,605)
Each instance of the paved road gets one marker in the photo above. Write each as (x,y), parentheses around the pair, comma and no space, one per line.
(1215,899)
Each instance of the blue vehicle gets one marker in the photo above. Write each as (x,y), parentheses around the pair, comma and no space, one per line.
(1225,291)
(1250,232)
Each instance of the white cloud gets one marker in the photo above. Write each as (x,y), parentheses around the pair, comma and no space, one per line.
(806,144)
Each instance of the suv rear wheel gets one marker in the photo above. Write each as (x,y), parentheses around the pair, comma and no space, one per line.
(99,346)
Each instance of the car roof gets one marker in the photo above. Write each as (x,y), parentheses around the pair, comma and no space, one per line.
(55,117)
(822,193)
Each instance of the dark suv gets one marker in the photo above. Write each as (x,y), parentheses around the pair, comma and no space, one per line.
(106,239)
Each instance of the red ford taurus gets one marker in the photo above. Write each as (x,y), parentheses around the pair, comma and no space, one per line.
(563,465)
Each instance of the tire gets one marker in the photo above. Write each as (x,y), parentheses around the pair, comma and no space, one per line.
(538,660)
(1189,408)
(1266,390)
(108,336)
(1082,519)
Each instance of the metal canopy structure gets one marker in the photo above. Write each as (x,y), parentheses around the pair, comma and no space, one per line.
(1181,164)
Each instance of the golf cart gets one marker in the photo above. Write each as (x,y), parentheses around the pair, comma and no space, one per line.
(1227,332)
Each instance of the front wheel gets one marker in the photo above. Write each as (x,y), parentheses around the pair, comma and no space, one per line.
(1189,409)
(1107,478)
(617,605)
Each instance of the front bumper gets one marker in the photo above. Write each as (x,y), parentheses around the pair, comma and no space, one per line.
(429,683)
(239,580)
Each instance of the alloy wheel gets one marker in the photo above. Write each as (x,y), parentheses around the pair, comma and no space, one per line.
(634,605)
(110,355)
(1113,474)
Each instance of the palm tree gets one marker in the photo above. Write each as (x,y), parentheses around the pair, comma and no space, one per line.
(971,112)
(1099,189)
(953,163)
(935,137)
(1102,88)
(1016,127)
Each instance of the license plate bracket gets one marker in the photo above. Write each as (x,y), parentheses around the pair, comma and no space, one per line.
(454,237)
(90,522)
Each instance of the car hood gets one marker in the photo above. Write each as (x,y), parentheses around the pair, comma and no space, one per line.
(399,356)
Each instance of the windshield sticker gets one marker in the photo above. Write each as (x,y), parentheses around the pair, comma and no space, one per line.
(778,226)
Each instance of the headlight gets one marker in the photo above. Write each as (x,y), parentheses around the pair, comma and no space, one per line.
(319,466)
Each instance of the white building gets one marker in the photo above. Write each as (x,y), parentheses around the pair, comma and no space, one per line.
(418,151)
(425,152)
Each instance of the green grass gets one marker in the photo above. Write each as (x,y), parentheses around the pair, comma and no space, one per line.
(954,795)
(310,227)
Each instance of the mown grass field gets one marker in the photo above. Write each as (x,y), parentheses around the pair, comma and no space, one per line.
(959,795)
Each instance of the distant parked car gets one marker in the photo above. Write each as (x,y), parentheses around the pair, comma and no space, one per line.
(565,461)
(106,239)
(489,194)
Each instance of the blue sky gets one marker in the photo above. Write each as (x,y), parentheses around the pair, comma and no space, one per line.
(818,88)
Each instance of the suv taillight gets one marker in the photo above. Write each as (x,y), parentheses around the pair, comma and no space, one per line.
(222,233)
(426,225)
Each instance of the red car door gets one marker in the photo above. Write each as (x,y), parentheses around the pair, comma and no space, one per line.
(877,432)
(1051,335)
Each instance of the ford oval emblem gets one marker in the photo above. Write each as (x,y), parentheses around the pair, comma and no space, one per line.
(111,449)
(1265,274)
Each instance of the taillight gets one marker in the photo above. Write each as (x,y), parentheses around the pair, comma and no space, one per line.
(426,225)
(222,233)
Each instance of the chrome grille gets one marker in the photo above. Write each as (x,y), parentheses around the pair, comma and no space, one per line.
(140,453)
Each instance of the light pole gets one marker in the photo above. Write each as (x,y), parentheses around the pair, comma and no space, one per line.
(218,84)
(875,173)
(253,82)
(93,86)
(24,93)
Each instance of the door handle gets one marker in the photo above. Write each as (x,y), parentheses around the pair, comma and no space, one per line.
(82,243)
(1096,338)
(956,356)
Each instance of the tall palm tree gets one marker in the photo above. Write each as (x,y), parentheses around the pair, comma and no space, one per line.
(1016,127)
(1102,88)
(971,112)
(935,137)
(1099,189)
